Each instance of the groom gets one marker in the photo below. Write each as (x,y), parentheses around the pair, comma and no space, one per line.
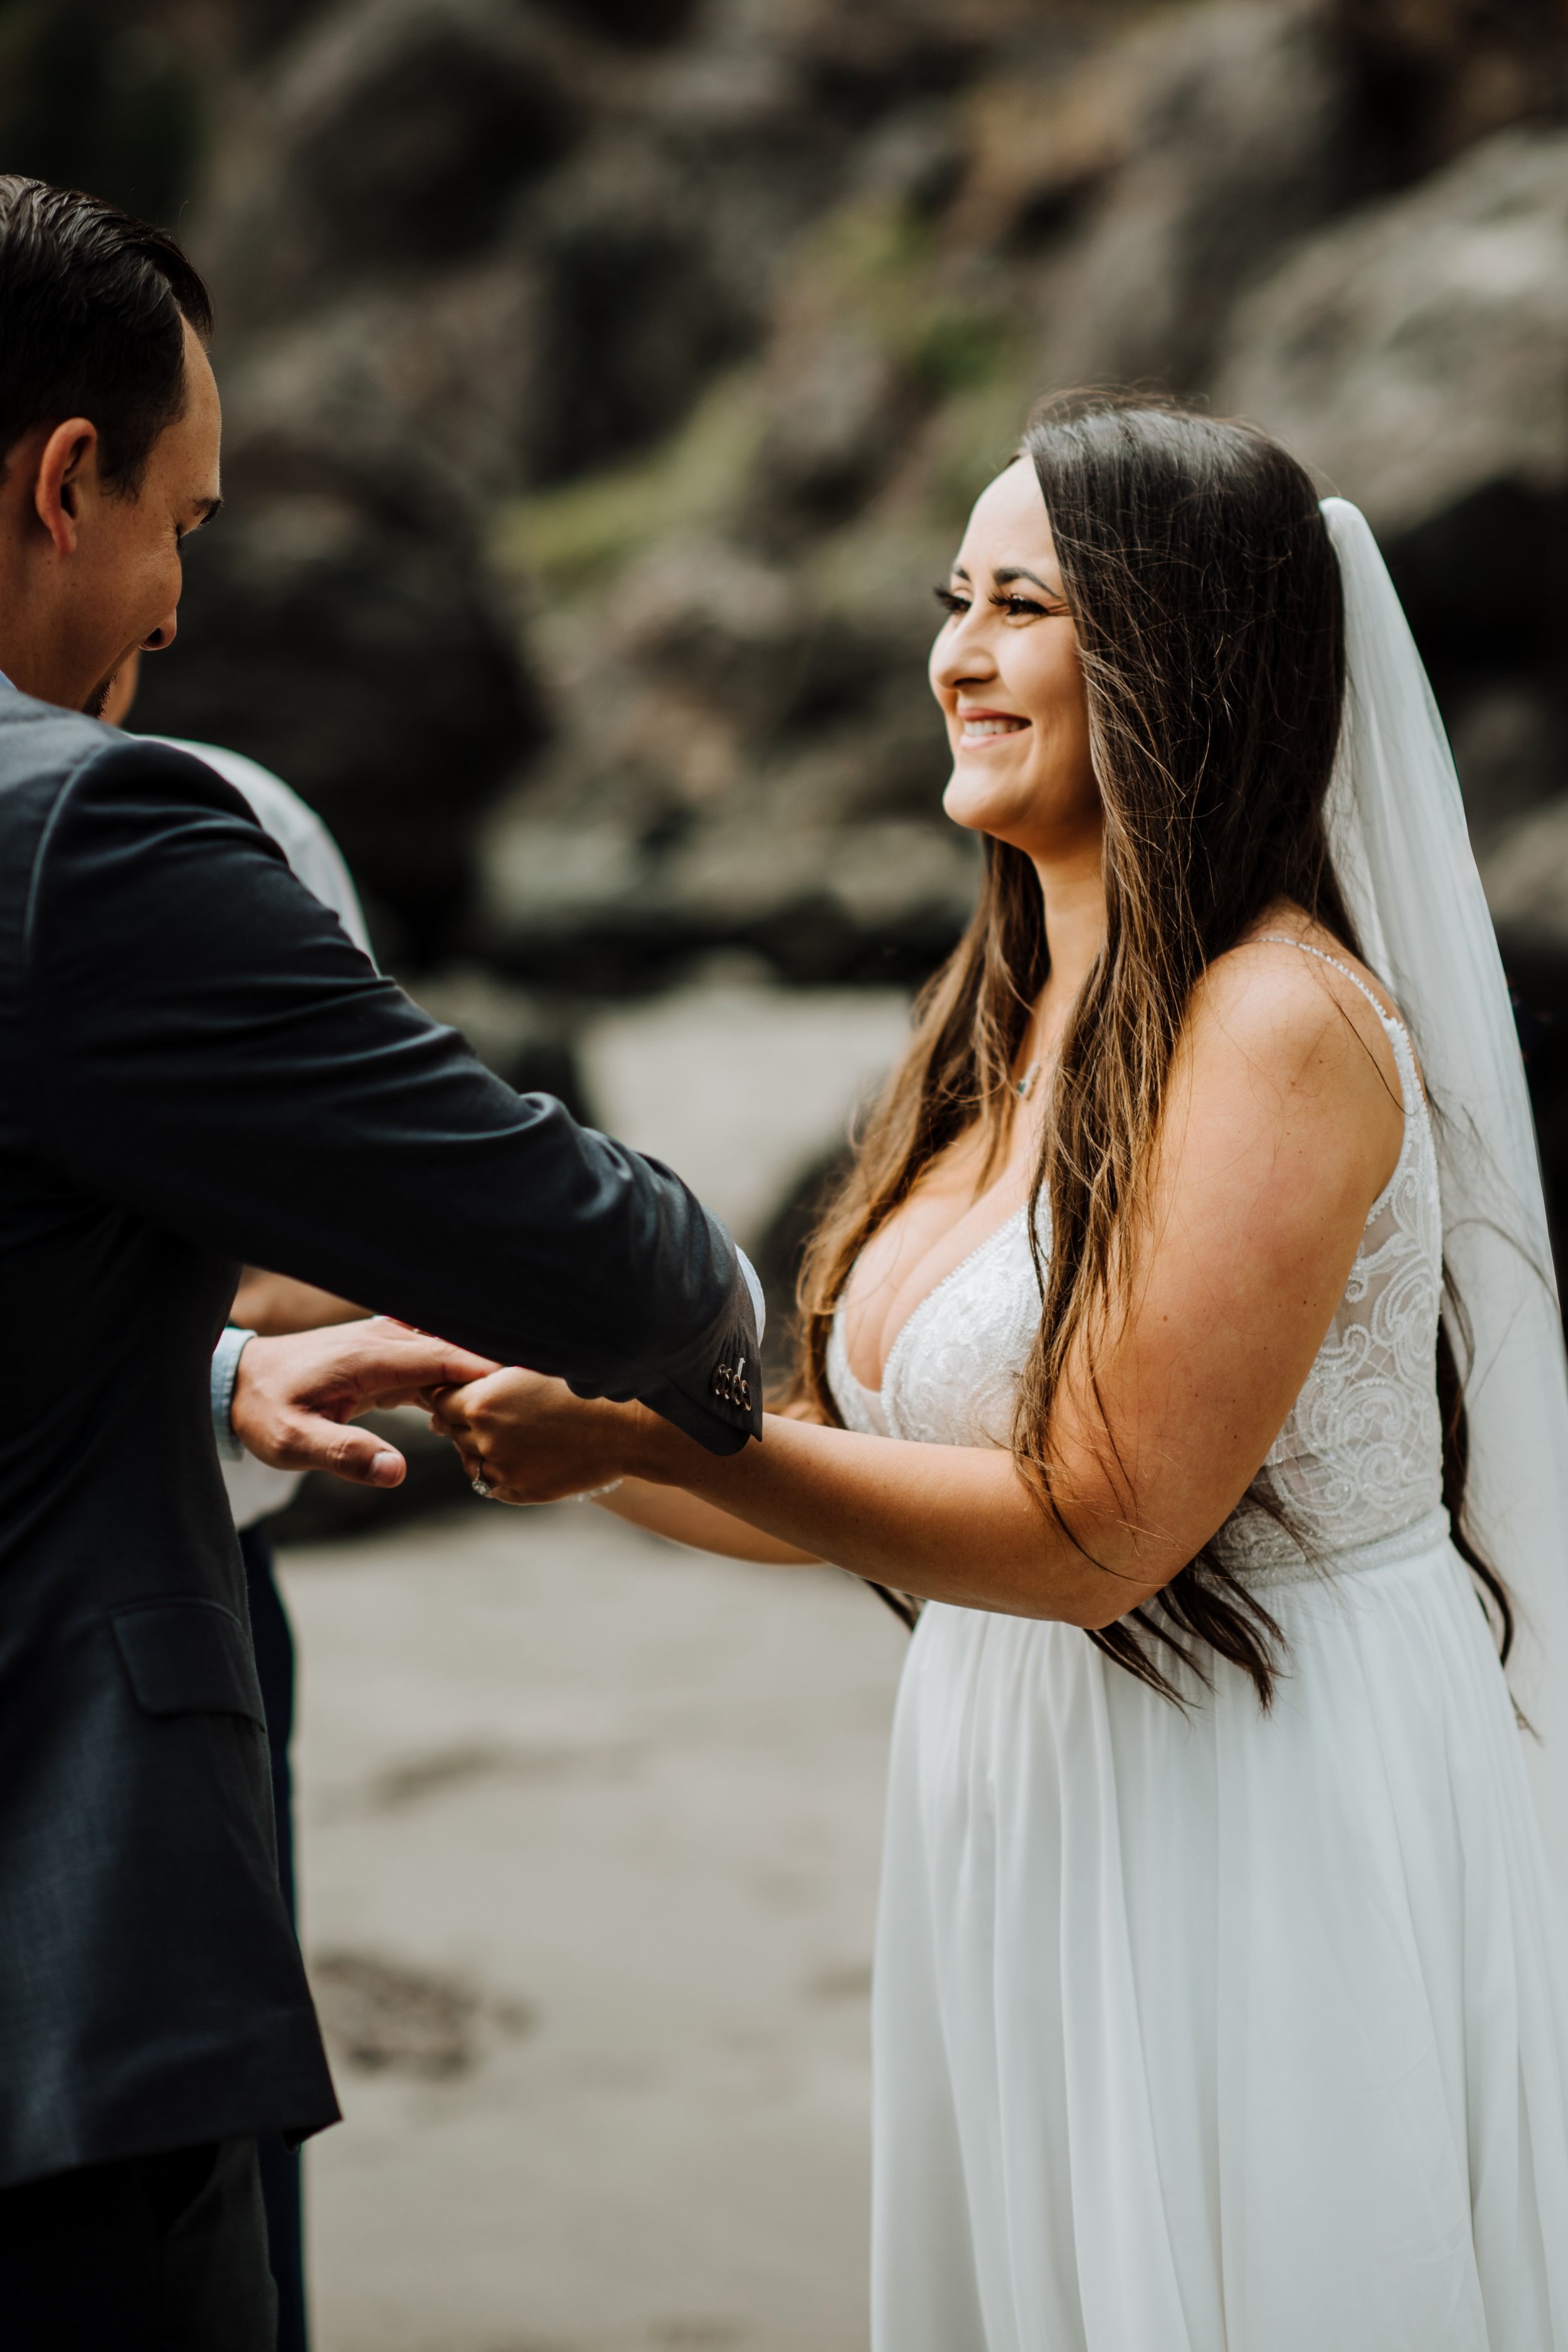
(197,1068)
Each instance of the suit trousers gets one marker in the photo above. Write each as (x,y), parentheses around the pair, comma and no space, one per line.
(156,2253)
(280,2188)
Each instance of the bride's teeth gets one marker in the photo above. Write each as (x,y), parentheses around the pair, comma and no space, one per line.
(992,726)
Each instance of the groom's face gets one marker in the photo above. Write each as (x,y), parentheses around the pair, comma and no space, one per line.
(130,589)
(92,567)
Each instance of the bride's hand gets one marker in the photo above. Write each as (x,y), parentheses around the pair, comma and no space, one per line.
(530,1440)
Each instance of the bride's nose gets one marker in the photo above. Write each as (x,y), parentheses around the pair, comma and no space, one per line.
(960,656)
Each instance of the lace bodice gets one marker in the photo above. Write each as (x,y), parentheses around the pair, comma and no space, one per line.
(1359,1460)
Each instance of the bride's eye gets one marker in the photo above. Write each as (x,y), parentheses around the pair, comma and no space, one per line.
(1023,608)
(951,601)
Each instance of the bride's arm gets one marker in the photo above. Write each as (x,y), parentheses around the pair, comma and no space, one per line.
(949,1522)
(1280,1130)
(685,1519)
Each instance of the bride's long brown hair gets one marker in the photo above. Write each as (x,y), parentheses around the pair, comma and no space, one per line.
(1206,594)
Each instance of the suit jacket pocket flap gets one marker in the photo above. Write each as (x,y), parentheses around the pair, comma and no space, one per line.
(189,1657)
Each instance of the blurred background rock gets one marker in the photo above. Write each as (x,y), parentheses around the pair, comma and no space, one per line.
(606,382)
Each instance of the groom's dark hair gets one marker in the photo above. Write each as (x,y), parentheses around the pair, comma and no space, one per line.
(91,302)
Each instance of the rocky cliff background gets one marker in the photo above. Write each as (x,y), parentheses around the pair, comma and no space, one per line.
(608,379)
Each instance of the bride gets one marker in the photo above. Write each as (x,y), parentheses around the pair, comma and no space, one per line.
(1220,1990)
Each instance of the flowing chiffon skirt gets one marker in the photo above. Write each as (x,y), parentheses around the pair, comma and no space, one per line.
(1222,2032)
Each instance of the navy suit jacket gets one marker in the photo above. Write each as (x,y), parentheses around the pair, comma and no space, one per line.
(197,1069)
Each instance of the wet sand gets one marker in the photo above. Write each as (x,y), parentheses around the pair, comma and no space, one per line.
(590,1832)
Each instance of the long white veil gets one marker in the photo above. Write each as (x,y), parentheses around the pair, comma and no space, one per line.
(1403,854)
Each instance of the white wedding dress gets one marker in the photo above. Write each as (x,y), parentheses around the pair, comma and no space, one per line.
(1222,2032)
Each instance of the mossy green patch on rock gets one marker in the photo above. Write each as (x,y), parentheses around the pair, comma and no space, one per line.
(573,540)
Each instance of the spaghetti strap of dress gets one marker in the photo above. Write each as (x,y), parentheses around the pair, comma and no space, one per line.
(1285,939)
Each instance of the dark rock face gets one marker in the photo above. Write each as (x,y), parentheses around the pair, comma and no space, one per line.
(1435,76)
(432,138)
(1416,346)
(91,98)
(1418,355)
(630,310)
(461,251)
(1238,139)
(332,633)
(388,140)
(641,23)
(607,384)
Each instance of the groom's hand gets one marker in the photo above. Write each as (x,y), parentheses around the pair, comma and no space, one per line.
(294,1396)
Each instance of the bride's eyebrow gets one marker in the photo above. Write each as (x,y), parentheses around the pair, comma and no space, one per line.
(1008,572)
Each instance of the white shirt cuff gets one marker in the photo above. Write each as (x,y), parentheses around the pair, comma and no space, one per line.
(753,1285)
(231,1346)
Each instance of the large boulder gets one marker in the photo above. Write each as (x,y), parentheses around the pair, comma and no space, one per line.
(730,309)
(1417,353)
(1230,133)
(1525,869)
(746,755)
(633,311)
(338,629)
(470,248)
(639,24)
(428,381)
(618,206)
(1416,356)
(862,58)
(390,137)
(1526,875)
(1434,76)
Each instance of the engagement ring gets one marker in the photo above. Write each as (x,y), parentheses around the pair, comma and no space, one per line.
(482,1487)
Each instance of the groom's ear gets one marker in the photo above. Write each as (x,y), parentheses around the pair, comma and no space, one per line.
(68,459)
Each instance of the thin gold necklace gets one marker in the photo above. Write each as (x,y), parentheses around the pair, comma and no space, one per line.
(1024,1087)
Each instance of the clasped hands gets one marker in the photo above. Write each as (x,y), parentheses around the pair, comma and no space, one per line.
(296,1396)
(524,1438)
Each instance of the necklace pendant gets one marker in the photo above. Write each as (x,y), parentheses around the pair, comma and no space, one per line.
(1028,1080)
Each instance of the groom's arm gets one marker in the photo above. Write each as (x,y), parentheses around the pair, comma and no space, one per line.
(212,1053)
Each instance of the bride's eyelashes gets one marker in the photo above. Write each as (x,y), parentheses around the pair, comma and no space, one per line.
(1017,608)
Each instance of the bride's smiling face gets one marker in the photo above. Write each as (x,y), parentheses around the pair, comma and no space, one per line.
(1006,670)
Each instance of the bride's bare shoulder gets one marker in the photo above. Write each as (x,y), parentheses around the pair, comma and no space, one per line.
(1290,994)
